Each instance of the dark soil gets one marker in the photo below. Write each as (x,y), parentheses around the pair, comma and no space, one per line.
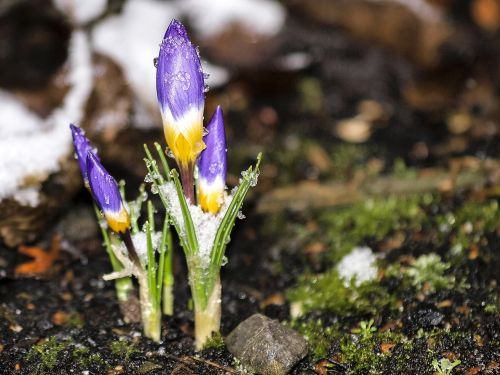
(69,321)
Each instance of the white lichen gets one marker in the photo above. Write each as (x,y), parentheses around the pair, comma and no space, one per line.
(359,264)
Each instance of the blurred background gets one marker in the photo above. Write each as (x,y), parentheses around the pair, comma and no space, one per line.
(333,91)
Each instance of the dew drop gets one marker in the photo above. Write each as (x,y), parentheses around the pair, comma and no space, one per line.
(240,215)
(155,62)
(224,261)
(154,189)
(148,178)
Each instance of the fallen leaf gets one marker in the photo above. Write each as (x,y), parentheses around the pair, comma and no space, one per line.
(473,252)
(445,303)
(273,299)
(486,13)
(386,347)
(315,248)
(59,318)
(472,371)
(42,260)
(322,366)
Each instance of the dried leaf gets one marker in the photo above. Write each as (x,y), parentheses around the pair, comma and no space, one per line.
(42,260)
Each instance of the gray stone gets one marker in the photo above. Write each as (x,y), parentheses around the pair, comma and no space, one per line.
(265,346)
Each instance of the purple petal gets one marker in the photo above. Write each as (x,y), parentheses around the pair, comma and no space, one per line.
(82,148)
(179,75)
(213,161)
(103,186)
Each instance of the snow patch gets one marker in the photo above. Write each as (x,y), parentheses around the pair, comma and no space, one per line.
(140,241)
(31,148)
(421,8)
(205,224)
(263,17)
(359,264)
(81,12)
(132,39)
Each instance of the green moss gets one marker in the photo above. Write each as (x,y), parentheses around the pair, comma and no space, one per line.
(362,354)
(123,349)
(319,337)
(365,329)
(311,95)
(84,358)
(46,352)
(469,223)
(361,357)
(401,170)
(444,366)
(428,270)
(351,226)
(348,158)
(328,292)
(75,320)
(216,341)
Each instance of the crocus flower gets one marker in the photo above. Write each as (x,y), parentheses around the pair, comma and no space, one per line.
(212,165)
(180,91)
(107,195)
(82,148)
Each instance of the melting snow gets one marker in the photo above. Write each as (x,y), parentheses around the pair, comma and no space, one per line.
(31,147)
(80,11)
(421,8)
(140,240)
(359,264)
(205,224)
(263,17)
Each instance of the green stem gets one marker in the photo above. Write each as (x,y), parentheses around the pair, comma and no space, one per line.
(150,311)
(207,318)
(123,286)
(206,293)
(165,278)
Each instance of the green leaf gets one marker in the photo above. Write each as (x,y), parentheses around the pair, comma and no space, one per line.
(158,181)
(191,239)
(222,236)
(165,234)
(151,264)
(163,160)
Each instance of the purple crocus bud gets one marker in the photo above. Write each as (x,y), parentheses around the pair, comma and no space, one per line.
(82,148)
(107,195)
(180,91)
(212,165)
